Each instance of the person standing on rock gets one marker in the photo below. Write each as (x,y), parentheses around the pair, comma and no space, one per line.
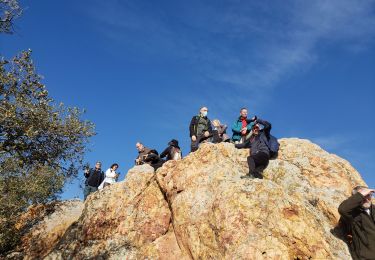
(200,128)
(242,127)
(94,177)
(110,176)
(259,151)
(358,213)
(148,156)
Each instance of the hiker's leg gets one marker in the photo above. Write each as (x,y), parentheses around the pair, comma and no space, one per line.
(194,145)
(261,161)
(86,192)
(251,163)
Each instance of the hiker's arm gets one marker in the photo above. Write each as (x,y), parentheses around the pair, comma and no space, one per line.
(235,128)
(267,125)
(347,207)
(243,145)
(87,173)
(223,129)
(249,125)
(191,127)
(151,157)
(209,127)
(165,152)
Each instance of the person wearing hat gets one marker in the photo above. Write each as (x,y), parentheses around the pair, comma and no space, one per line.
(259,151)
(172,152)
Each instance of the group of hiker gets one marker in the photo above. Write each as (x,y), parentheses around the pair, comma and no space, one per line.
(357,212)
(253,133)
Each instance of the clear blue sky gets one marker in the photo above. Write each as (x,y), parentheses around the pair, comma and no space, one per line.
(142,69)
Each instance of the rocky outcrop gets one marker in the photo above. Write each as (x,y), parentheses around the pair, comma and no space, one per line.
(199,208)
(43,227)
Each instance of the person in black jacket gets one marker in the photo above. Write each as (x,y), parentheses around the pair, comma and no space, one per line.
(200,128)
(94,178)
(358,213)
(172,152)
(259,151)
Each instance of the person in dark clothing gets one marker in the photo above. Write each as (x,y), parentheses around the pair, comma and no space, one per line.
(148,156)
(259,151)
(200,129)
(172,152)
(94,178)
(358,213)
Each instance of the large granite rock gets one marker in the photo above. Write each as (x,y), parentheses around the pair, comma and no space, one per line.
(199,208)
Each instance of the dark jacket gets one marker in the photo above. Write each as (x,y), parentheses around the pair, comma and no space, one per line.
(142,155)
(194,125)
(362,226)
(151,157)
(94,177)
(168,152)
(256,142)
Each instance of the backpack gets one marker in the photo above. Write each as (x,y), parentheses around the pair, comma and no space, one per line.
(176,153)
(272,144)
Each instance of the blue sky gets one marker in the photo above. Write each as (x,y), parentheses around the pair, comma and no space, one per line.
(142,69)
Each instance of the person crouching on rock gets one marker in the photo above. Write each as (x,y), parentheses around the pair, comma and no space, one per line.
(148,156)
(219,132)
(200,128)
(110,176)
(242,127)
(94,177)
(172,152)
(259,152)
(358,213)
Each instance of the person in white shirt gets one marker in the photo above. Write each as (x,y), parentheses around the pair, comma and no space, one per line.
(110,176)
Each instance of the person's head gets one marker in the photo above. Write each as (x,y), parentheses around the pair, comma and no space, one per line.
(203,111)
(173,142)
(140,147)
(366,202)
(114,166)
(256,129)
(243,112)
(98,165)
(216,122)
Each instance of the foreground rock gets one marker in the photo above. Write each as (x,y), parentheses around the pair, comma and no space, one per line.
(44,226)
(199,208)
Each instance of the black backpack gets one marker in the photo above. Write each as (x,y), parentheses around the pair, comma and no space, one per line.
(272,144)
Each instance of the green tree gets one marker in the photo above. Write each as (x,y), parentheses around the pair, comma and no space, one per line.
(41,143)
(9,10)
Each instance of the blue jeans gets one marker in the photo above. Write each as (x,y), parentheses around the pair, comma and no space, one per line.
(88,189)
